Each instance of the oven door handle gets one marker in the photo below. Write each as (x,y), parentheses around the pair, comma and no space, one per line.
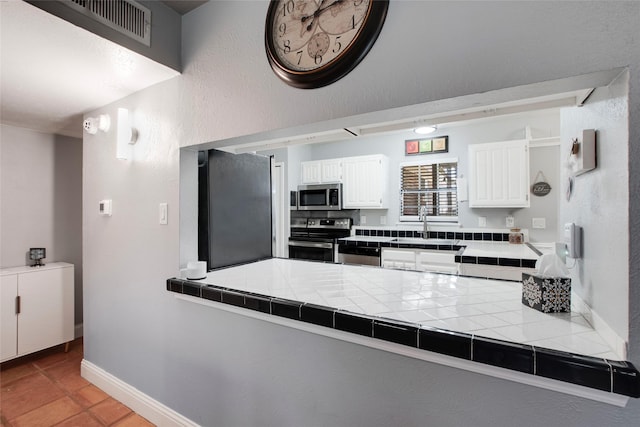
(319,245)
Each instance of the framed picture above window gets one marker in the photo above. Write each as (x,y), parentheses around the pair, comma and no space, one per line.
(438,144)
(432,186)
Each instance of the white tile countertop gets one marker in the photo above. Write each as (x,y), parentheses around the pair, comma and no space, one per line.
(471,248)
(487,308)
(498,250)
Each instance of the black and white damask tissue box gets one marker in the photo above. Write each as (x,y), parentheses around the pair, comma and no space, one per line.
(546,294)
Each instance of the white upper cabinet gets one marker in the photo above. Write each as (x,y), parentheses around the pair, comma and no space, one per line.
(321,171)
(331,170)
(365,182)
(311,172)
(499,174)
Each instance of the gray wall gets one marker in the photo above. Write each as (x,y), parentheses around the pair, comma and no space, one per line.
(223,369)
(599,203)
(41,200)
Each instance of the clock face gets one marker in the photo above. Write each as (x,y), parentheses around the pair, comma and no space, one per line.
(312,43)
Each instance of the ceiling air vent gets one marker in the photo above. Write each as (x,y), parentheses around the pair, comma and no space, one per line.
(125,16)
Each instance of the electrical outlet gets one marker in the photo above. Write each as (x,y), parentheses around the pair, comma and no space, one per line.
(482,221)
(510,222)
(539,222)
(383,220)
(363,219)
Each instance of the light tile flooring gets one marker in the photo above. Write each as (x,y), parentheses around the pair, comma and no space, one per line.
(488,308)
(46,389)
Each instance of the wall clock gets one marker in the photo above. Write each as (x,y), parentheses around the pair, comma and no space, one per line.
(313,43)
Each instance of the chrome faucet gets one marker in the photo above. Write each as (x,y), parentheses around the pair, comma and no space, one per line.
(422,216)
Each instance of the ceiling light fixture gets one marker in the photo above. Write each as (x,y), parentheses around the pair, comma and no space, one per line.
(424,130)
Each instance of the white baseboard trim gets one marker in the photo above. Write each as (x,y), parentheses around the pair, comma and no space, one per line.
(609,335)
(617,343)
(142,404)
(77,333)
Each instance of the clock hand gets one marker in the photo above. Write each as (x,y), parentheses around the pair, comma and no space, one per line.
(314,14)
(318,12)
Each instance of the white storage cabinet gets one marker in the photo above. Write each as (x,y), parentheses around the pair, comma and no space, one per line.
(321,171)
(399,259)
(437,261)
(499,174)
(310,172)
(365,182)
(420,260)
(36,308)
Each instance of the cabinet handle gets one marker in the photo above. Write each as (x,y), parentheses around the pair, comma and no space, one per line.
(18,304)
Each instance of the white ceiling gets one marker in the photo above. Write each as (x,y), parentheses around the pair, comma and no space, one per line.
(52,72)
(184,6)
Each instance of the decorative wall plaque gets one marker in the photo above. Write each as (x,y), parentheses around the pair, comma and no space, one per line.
(540,187)
(438,144)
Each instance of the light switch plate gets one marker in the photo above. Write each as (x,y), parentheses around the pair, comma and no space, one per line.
(482,221)
(104,207)
(163,212)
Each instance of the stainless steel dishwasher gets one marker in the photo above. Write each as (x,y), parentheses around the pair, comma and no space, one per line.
(358,255)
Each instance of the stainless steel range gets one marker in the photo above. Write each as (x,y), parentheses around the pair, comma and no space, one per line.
(315,238)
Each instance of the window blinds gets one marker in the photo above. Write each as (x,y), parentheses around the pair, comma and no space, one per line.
(432,185)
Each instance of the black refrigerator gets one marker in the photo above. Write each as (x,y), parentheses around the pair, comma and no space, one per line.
(234,208)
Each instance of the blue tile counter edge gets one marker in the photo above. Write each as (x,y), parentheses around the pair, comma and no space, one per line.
(619,377)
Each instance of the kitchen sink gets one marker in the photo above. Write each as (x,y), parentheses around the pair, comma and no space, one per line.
(420,241)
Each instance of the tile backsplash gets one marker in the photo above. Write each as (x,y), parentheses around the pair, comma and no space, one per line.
(457,235)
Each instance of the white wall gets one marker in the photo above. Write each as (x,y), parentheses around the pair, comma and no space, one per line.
(221,369)
(599,203)
(41,200)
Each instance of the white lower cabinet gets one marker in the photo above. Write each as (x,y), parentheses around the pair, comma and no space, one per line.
(495,272)
(8,318)
(36,308)
(403,259)
(437,261)
(420,260)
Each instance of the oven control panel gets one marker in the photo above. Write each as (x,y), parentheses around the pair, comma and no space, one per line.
(336,223)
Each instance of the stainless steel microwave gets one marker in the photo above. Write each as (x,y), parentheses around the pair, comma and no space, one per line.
(320,197)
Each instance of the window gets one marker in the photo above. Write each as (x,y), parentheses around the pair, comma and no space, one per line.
(432,185)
